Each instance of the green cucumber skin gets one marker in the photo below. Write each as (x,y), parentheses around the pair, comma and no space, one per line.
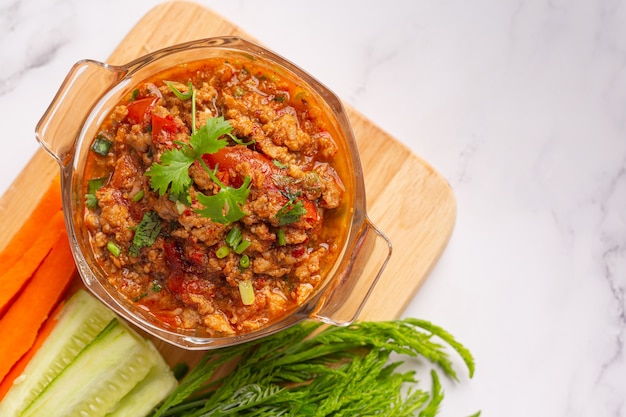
(103,373)
(81,319)
(149,393)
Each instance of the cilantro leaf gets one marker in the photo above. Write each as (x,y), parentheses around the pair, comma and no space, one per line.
(224,207)
(173,170)
(290,212)
(207,138)
(146,233)
(91,201)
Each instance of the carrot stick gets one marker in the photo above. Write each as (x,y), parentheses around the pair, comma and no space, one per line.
(49,204)
(12,280)
(22,321)
(20,366)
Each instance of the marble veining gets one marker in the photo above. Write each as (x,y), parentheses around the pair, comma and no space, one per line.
(519,104)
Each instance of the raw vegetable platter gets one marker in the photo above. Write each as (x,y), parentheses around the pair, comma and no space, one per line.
(397,181)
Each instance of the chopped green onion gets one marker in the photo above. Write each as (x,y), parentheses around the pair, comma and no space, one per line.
(93,185)
(246,291)
(233,237)
(281,237)
(279,164)
(193,110)
(156,286)
(114,249)
(178,93)
(242,246)
(222,252)
(244,262)
(138,196)
(180,207)
(101,145)
(134,94)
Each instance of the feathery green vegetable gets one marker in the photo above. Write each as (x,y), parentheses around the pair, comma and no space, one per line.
(308,371)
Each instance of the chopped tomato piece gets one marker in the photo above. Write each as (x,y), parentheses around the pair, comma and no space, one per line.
(163,128)
(138,109)
(229,157)
(311,215)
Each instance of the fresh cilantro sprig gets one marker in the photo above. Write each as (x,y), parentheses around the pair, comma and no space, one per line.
(146,232)
(225,206)
(291,211)
(172,174)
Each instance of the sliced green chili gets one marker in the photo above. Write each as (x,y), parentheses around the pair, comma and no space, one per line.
(101,145)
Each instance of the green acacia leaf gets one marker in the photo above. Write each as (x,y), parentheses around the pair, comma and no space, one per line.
(335,371)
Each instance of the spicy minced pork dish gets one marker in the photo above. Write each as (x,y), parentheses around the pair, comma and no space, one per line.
(214,197)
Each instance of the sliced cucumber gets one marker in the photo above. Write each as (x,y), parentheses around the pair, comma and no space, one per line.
(81,320)
(155,387)
(102,374)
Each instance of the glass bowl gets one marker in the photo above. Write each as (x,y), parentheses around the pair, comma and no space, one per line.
(88,94)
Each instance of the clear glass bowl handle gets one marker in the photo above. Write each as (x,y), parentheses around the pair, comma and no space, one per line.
(86,82)
(343,301)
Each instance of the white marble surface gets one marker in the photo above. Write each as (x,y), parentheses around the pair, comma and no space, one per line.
(520,104)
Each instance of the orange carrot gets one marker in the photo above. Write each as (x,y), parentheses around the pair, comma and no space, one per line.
(49,204)
(22,321)
(12,280)
(20,366)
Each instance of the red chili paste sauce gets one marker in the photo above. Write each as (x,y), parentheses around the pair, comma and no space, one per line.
(257,225)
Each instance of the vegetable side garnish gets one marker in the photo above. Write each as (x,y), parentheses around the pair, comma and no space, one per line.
(92,365)
(338,371)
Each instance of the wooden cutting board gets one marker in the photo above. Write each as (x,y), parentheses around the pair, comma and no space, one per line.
(406,198)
